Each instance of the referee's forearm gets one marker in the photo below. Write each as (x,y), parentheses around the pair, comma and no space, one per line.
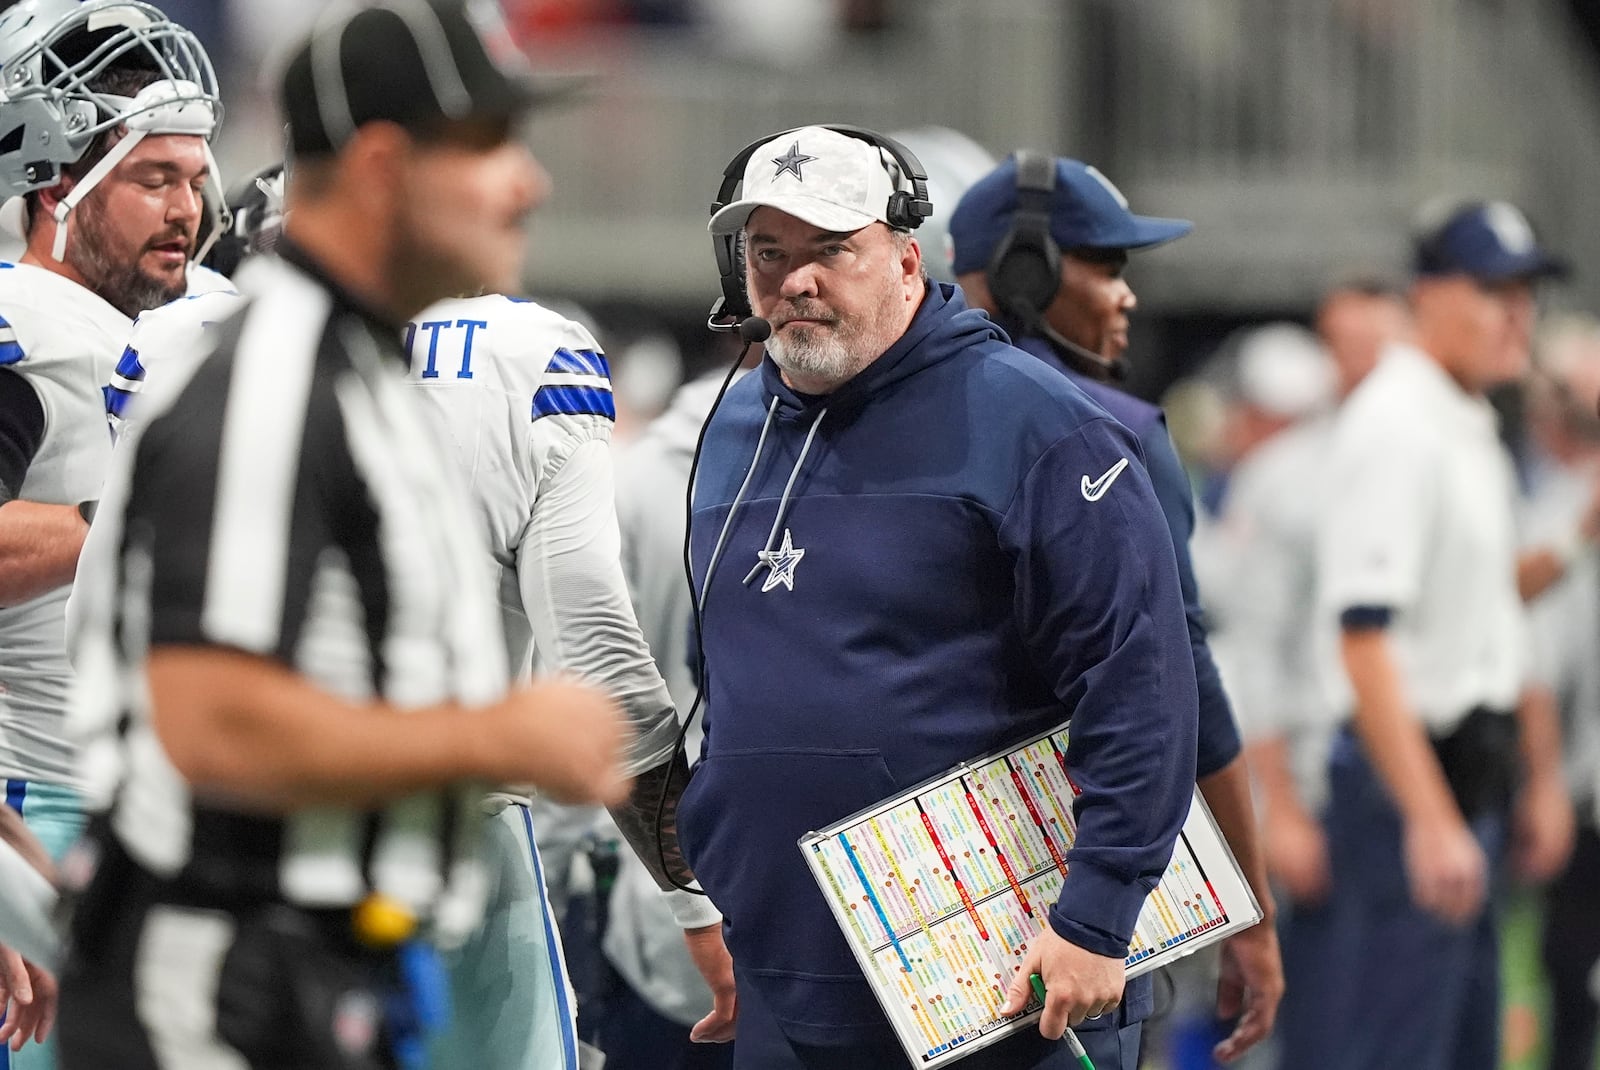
(248,732)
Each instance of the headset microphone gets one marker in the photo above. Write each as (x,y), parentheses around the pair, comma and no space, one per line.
(1099,366)
(753,329)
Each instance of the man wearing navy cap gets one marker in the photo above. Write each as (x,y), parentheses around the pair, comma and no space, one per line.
(1040,243)
(1418,578)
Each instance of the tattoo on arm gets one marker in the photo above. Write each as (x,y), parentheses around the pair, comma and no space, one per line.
(656,843)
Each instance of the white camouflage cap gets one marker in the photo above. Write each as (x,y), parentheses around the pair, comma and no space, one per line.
(828,179)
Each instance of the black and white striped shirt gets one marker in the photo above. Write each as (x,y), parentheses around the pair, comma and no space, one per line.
(290,499)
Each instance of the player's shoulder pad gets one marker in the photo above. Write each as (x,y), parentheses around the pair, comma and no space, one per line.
(540,348)
(36,305)
(173,330)
(179,327)
(576,378)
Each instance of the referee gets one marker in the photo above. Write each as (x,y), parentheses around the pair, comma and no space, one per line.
(292,677)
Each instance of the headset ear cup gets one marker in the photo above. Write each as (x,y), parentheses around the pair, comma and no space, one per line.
(900,212)
(1024,279)
(729,252)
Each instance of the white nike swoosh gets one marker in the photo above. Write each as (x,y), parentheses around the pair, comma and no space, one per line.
(1093,492)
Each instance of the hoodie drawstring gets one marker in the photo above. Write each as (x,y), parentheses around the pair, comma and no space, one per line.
(716,552)
(783,502)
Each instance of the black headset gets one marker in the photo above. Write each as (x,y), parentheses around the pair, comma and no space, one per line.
(1025,269)
(905,211)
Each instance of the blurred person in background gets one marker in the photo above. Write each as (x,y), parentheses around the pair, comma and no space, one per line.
(1041,243)
(657,995)
(1417,572)
(1268,532)
(542,481)
(1559,511)
(1274,375)
(1269,378)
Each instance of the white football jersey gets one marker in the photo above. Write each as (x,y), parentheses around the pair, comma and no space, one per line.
(64,340)
(526,396)
(177,335)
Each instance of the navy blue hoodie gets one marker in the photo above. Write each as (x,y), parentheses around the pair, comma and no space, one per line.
(969,551)
(1219,741)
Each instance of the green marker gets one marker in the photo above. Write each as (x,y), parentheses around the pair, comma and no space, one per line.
(1072,1038)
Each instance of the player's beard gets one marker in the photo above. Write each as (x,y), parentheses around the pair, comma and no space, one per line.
(119,280)
(838,349)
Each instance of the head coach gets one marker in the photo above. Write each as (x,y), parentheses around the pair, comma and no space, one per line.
(914,544)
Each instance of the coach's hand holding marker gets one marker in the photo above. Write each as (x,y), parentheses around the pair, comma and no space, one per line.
(1081,985)
(1073,1042)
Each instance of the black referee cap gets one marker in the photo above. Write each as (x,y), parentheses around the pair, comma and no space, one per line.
(418,63)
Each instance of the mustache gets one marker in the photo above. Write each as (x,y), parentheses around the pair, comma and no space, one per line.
(802,312)
(180,235)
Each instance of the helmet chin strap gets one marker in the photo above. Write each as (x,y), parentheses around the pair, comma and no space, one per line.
(86,185)
(224,218)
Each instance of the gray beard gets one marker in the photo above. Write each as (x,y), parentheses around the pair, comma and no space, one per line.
(815,357)
(122,286)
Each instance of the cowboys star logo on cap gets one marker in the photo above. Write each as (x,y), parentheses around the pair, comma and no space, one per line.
(791,161)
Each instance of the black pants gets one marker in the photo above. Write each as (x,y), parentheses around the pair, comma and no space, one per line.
(155,984)
(1571,949)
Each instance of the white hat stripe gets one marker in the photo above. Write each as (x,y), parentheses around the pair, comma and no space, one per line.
(438,62)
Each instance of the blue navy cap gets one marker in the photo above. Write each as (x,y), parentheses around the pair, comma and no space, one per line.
(1087,212)
(1492,241)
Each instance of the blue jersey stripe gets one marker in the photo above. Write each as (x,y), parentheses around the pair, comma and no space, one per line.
(129,366)
(573,401)
(10,353)
(581,361)
(558,967)
(16,794)
(117,399)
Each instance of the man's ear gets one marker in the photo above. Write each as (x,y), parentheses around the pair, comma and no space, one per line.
(51,196)
(42,205)
(373,165)
(911,269)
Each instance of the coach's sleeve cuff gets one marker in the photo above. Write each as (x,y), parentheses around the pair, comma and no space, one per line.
(1097,910)
(691,910)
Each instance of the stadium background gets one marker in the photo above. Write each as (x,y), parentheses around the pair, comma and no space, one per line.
(1300,135)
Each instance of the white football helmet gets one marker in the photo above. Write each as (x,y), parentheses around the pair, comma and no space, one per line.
(50,53)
